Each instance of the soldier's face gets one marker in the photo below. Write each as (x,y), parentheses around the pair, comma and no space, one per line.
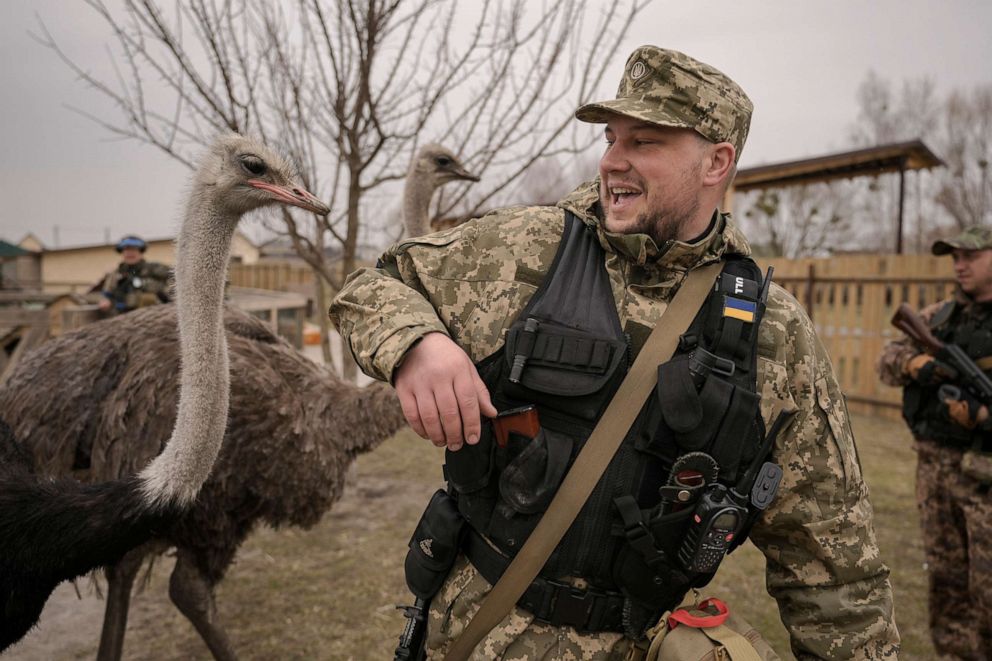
(130,255)
(650,178)
(973,271)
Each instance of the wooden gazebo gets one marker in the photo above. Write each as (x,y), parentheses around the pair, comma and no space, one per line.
(870,162)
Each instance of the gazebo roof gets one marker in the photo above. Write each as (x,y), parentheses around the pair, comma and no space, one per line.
(872,161)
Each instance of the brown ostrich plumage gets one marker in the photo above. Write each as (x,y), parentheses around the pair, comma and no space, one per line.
(99,403)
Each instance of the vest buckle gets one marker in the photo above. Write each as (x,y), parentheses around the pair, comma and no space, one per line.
(570,605)
(703,362)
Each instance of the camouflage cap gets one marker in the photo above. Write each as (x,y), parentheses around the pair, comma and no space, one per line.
(670,88)
(973,238)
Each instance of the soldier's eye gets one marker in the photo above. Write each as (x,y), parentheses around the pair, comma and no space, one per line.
(253,165)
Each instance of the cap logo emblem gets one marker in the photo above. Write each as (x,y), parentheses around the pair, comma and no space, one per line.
(638,70)
(425,546)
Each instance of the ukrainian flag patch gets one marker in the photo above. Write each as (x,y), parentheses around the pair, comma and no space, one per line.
(737,308)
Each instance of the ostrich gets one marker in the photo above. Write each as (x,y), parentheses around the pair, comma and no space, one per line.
(432,167)
(294,429)
(51,531)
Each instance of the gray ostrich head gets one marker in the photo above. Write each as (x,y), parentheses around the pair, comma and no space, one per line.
(432,167)
(240,174)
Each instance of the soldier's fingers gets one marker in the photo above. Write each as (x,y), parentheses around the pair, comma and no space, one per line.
(430,419)
(468,406)
(451,419)
(408,404)
(482,393)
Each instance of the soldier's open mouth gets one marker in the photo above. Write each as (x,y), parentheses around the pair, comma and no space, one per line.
(621,197)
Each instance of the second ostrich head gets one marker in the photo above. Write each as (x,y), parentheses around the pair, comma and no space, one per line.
(237,174)
(432,167)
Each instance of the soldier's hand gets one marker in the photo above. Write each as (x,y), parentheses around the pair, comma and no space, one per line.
(967,412)
(925,369)
(441,393)
(104,304)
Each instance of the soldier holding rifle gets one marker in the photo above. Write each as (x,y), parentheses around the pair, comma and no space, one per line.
(943,366)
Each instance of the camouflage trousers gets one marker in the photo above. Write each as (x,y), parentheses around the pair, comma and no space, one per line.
(518,637)
(956,518)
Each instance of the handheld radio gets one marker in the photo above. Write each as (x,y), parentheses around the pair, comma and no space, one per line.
(715,521)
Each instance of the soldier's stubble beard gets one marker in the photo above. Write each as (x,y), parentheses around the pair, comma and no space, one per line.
(666,214)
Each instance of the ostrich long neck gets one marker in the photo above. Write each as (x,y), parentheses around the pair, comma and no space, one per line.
(202,250)
(417,195)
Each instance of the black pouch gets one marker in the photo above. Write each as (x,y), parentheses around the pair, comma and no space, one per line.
(530,481)
(716,418)
(469,469)
(568,370)
(527,485)
(434,545)
(655,582)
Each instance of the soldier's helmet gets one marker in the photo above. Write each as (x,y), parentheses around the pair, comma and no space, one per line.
(131,241)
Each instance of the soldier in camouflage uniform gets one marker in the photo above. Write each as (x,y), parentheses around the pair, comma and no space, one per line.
(954,502)
(437,305)
(135,283)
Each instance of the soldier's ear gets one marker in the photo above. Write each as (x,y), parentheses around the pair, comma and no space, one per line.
(718,163)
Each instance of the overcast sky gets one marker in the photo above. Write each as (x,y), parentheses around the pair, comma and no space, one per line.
(800,62)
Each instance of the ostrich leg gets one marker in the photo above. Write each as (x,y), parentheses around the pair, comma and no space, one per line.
(120,579)
(193,595)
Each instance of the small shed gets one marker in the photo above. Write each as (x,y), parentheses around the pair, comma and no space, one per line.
(19,268)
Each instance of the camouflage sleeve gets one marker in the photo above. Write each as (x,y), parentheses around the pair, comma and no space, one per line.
(823,564)
(109,281)
(380,316)
(897,353)
(468,282)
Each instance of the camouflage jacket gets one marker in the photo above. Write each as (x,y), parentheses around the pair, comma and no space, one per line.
(470,282)
(132,286)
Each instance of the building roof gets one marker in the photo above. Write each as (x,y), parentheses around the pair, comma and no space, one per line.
(10,250)
(913,155)
(169,239)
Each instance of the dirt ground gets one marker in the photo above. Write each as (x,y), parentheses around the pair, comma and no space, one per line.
(330,592)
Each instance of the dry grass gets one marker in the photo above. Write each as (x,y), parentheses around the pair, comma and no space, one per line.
(329,593)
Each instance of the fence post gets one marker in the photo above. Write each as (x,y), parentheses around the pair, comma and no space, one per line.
(810,282)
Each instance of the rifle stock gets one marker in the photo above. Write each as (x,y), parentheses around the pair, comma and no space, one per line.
(912,324)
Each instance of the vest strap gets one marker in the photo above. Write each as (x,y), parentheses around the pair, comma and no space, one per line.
(596,454)
(554,602)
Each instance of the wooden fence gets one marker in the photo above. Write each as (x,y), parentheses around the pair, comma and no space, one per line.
(850,299)
(273,276)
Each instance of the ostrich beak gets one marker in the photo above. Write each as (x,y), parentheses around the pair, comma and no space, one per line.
(294,195)
(462,173)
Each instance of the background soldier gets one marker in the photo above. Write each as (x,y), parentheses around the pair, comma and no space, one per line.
(135,283)
(955,507)
(437,307)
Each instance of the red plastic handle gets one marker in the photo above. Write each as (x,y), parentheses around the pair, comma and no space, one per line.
(683,616)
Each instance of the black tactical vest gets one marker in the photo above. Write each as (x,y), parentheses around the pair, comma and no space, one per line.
(969,327)
(626,539)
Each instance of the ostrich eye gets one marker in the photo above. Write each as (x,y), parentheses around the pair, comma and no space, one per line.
(443,161)
(254,165)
